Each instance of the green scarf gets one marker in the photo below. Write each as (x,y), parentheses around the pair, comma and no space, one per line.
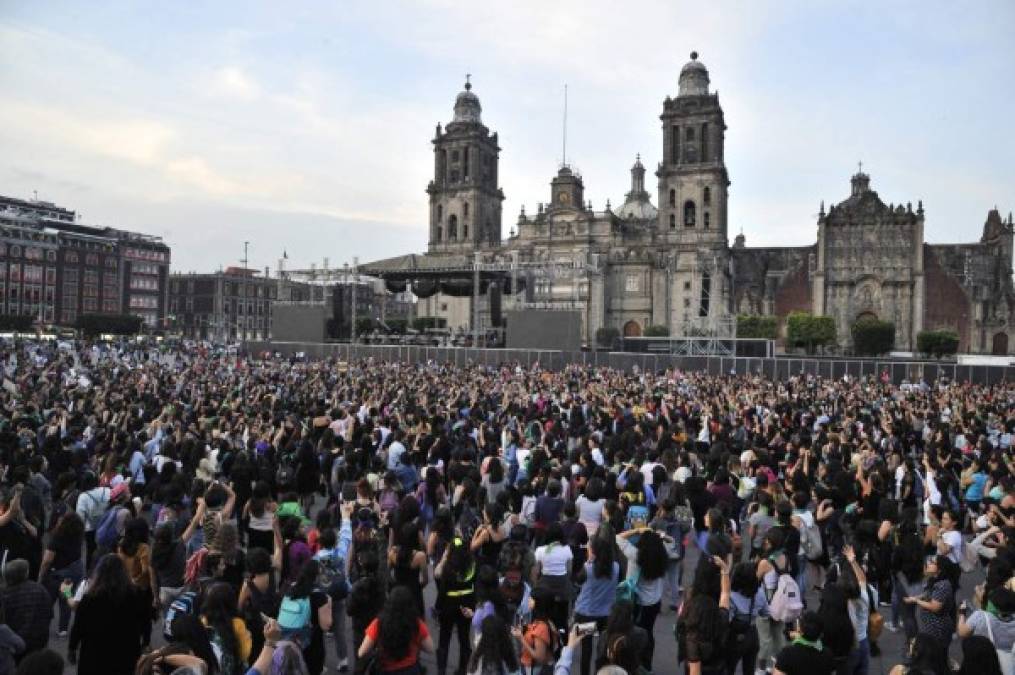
(807,643)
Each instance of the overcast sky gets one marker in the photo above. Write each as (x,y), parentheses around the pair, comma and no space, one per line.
(306,126)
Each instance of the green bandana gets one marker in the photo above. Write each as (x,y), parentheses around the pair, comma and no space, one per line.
(807,643)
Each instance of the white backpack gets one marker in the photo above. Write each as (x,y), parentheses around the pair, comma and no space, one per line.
(786,604)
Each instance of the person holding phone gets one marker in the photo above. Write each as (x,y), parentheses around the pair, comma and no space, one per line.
(703,623)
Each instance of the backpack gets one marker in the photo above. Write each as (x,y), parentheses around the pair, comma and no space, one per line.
(810,541)
(635,512)
(331,577)
(106,535)
(294,619)
(627,590)
(185,603)
(785,605)
(285,474)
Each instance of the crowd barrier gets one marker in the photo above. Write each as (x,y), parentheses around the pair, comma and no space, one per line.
(780,367)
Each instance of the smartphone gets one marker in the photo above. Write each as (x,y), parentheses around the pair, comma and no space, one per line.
(584,629)
(265,618)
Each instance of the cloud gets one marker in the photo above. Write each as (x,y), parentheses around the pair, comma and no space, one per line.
(231,81)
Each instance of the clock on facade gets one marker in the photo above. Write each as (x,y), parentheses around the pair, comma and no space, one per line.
(563,197)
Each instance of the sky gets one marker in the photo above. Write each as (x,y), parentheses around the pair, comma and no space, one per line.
(305,127)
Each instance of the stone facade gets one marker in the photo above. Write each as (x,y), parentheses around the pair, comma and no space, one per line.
(640,265)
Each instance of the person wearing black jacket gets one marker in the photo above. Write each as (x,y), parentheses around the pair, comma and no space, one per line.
(366,597)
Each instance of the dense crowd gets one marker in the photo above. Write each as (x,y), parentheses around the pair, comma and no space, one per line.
(171,510)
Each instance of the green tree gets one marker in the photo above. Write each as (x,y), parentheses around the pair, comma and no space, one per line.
(938,343)
(657,331)
(397,326)
(803,329)
(422,323)
(760,327)
(607,336)
(364,325)
(872,337)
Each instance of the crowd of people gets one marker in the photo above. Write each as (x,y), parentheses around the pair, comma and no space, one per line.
(194,511)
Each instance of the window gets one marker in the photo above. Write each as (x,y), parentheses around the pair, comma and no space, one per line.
(706,288)
(687,285)
(454,176)
(110,305)
(91,277)
(707,220)
(70,256)
(675,149)
(632,283)
(454,155)
(16,273)
(3,249)
(111,263)
(704,142)
(109,280)
(440,213)
(92,259)
(33,253)
(440,232)
(465,231)
(70,276)
(90,304)
(465,210)
(673,221)
(673,197)
(15,251)
(689,214)
(465,165)
(453,227)
(50,275)
(706,198)
(51,255)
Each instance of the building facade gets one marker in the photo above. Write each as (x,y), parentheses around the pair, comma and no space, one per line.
(55,269)
(231,305)
(640,264)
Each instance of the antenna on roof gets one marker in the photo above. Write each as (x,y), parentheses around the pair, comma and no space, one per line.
(563,159)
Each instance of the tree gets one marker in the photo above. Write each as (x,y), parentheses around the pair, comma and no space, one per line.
(607,336)
(803,329)
(657,331)
(364,325)
(872,337)
(397,326)
(17,323)
(938,343)
(758,327)
(115,324)
(422,323)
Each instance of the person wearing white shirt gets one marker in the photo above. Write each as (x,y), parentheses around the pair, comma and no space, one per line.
(950,539)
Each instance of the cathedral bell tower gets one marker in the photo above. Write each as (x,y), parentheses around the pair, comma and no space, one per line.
(693,187)
(465,202)
(692,176)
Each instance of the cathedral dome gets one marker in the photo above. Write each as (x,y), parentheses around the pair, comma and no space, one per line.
(693,78)
(637,205)
(467,108)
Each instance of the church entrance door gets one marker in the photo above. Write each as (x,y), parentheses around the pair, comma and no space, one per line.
(632,329)
(1000,346)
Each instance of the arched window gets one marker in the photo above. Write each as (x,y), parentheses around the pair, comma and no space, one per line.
(707,219)
(440,213)
(689,214)
(452,227)
(465,211)
(673,197)
(465,230)
(673,221)
(707,196)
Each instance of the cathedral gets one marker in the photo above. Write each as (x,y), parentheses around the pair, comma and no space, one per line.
(670,263)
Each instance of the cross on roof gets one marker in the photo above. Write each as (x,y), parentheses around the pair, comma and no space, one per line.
(860,164)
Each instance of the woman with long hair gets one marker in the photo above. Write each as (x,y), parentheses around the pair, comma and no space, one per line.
(747,603)
(598,577)
(936,605)
(108,623)
(62,564)
(553,560)
(646,567)
(979,657)
(135,552)
(259,514)
(494,654)
(702,626)
(621,641)
(188,631)
(398,634)
(408,563)
(539,638)
(773,563)
(311,608)
(838,636)
(456,600)
(907,572)
(169,562)
(228,633)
